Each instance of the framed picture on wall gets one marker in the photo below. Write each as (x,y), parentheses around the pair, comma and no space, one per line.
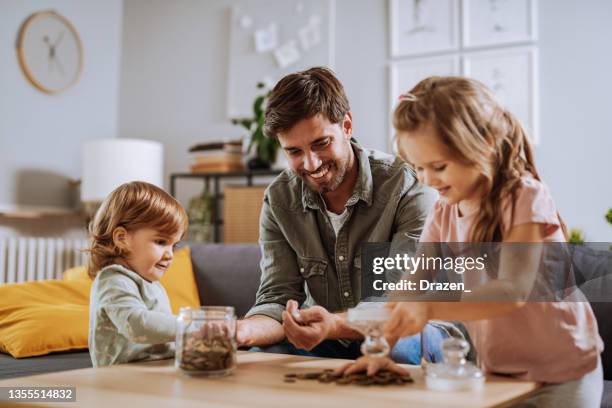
(404,75)
(495,22)
(423,26)
(511,74)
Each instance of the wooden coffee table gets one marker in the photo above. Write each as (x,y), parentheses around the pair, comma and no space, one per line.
(257,382)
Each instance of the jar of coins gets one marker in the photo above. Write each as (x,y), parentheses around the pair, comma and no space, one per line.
(206,340)
(369,318)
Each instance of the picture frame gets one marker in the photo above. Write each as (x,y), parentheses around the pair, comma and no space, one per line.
(511,73)
(488,23)
(405,74)
(420,27)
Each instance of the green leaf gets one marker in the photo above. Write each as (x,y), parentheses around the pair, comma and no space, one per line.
(257,106)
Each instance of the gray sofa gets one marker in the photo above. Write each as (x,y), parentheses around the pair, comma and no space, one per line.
(229,275)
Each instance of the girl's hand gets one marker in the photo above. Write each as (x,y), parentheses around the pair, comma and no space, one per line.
(372,365)
(407,318)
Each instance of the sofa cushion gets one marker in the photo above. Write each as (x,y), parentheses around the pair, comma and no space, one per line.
(227,274)
(42,317)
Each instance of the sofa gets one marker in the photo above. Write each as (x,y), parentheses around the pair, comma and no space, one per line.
(228,274)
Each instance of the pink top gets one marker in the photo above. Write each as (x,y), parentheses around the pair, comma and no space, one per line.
(541,341)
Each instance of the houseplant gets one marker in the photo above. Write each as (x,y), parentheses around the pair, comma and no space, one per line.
(266,149)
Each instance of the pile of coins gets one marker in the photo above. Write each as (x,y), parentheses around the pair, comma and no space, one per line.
(201,353)
(383,377)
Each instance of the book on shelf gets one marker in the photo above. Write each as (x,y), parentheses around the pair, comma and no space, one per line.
(217,157)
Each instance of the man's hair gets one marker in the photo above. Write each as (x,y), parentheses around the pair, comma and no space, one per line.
(302,95)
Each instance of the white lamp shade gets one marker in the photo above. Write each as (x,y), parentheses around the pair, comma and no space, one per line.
(108,163)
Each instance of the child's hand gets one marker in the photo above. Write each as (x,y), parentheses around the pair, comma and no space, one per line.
(214,330)
(407,318)
(372,365)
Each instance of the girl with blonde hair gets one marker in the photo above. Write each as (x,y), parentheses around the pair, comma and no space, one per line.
(476,154)
(133,236)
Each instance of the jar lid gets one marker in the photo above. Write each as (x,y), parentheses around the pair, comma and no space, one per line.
(368,312)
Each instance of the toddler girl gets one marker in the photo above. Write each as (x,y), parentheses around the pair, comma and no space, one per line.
(133,236)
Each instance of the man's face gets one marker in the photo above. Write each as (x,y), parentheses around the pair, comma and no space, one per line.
(318,151)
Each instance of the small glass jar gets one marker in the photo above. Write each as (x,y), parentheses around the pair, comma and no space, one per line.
(206,340)
(369,319)
(455,373)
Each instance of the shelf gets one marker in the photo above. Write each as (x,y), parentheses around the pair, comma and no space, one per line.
(30,212)
(216,188)
(251,173)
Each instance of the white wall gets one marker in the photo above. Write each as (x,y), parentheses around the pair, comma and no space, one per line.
(40,134)
(174,79)
(48,129)
(575,156)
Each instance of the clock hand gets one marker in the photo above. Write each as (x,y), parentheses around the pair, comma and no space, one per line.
(59,65)
(59,38)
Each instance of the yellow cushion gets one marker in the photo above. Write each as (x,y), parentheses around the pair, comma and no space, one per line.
(76,273)
(179,281)
(41,317)
(38,318)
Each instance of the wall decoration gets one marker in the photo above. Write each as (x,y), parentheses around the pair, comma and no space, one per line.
(49,51)
(266,39)
(495,22)
(287,54)
(281,36)
(423,26)
(406,74)
(511,74)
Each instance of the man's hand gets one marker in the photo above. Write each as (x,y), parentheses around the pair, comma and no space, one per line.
(305,329)
(407,318)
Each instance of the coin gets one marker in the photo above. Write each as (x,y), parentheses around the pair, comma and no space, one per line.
(384,377)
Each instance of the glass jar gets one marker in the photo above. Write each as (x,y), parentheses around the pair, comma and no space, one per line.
(206,340)
(369,319)
(455,373)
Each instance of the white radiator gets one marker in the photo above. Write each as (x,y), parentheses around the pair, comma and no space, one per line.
(27,259)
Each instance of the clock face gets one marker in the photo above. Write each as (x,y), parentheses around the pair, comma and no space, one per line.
(50,51)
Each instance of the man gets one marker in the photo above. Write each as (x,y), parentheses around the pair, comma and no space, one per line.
(315,218)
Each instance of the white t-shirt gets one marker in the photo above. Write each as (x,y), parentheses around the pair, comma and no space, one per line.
(337,220)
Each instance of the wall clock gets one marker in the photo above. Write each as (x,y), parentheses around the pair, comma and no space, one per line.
(50,52)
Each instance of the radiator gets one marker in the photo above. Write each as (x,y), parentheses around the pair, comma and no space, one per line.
(27,259)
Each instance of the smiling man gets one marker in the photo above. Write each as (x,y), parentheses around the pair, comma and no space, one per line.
(315,217)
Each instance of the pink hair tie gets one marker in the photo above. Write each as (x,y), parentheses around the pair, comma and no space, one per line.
(407,97)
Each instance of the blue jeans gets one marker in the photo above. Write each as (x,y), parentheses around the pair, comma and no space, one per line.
(406,351)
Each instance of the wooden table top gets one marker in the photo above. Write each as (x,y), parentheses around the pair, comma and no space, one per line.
(256,382)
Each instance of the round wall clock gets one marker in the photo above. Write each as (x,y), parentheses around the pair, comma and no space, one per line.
(49,51)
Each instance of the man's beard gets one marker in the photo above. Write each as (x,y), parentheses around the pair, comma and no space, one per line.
(338,168)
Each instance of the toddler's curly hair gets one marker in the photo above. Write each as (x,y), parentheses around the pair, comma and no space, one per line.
(132,206)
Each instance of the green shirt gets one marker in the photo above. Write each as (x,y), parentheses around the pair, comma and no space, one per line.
(129,318)
(304,260)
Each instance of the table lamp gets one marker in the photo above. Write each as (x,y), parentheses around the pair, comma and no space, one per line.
(108,163)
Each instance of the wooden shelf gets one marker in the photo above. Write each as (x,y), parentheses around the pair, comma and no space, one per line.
(31,212)
(216,189)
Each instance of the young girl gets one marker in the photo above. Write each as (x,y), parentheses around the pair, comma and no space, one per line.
(133,236)
(461,142)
